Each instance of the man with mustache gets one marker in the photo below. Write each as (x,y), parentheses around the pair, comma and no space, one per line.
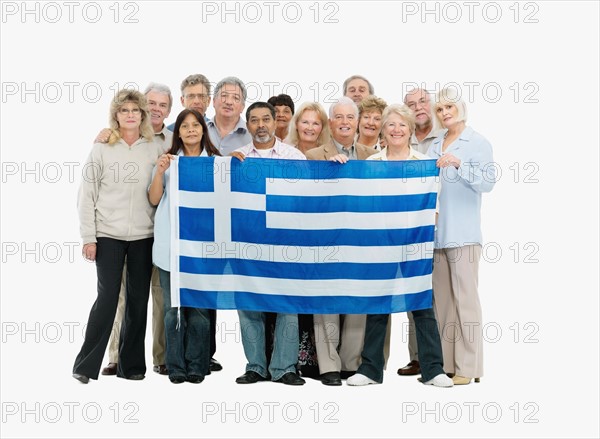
(282,366)
(418,100)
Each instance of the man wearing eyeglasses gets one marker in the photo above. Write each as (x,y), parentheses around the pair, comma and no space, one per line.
(195,94)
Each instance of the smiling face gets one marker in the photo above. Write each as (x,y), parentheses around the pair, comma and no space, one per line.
(357,90)
(309,126)
(229,101)
(158,105)
(369,124)
(396,131)
(419,102)
(191,131)
(343,124)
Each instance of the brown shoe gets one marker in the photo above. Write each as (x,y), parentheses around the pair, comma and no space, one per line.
(161,369)
(411,368)
(111,369)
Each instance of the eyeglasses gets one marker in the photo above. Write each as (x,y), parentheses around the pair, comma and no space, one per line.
(192,96)
(125,111)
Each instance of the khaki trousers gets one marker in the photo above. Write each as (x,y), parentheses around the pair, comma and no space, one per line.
(458,310)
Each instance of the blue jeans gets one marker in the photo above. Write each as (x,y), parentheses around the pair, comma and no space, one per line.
(428,343)
(187,346)
(285,346)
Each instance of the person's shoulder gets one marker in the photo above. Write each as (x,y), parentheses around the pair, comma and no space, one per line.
(419,155)
(377,156)
(316,153)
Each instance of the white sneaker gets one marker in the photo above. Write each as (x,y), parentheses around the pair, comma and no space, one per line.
(441,380)
(359,379)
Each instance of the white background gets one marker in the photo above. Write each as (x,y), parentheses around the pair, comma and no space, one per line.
(540,305)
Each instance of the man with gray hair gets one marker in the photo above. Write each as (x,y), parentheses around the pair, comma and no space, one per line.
(419,101)
(339,338)
(357,87)
(227,130)
(160,102)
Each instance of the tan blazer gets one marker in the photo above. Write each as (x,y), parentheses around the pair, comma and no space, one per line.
(328,150)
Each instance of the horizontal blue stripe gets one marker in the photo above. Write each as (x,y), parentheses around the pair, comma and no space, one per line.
(305,305)
(196,224)
(250,226)
(312,271)
(196,174)
(349,203)
(250,175)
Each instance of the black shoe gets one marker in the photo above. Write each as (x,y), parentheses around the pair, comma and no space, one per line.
(136,377)
(81,378)
(345,374)
(215,366)
(161,369)
(194,379)
(331,379)
(177,379)
(250,377)
(291,379)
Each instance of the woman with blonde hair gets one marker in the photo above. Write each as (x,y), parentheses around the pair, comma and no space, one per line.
(309,127)
(370,111)
(117,223)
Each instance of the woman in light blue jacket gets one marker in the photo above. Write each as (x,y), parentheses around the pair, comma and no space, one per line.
(466,171)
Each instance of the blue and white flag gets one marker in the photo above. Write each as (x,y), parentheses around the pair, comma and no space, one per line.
(298,236)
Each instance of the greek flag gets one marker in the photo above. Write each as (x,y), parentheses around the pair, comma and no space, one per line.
(298,236)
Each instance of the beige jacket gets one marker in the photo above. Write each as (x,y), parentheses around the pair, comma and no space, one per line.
(328,150)
(113,195)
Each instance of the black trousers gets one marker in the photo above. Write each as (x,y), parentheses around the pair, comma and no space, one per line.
(110,259)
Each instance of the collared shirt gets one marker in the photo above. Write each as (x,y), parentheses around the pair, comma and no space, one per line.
(280,150)
(412,155)
(424,144)
(164,138)
(161,249)
(459,221)
(232,141)
(348,152)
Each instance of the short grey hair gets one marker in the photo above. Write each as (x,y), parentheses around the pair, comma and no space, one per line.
(195,79)
(231,80)
(353,77)
(162,89)
(344,100)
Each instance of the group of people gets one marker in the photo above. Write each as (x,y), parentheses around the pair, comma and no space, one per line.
(125,228)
